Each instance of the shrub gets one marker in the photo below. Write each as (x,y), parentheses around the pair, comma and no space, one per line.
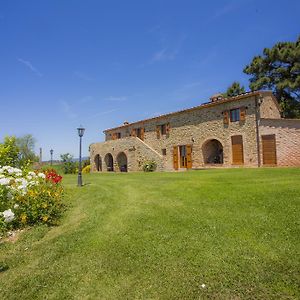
(149,166)
(86,169)
(28,198)
(69,166)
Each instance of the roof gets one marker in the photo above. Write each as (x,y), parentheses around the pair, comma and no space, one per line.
(203,105)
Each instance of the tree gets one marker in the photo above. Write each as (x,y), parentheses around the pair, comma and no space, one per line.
(69,166)
(234,90)
(26,145)
(278,69)
(9,152)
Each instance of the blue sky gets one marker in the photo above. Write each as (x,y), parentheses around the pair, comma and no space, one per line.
(99,63)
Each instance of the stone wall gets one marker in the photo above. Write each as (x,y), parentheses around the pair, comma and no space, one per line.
(287,135)
(136,151)
(199,125)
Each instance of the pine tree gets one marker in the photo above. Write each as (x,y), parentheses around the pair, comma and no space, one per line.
(278,69)
(234,90)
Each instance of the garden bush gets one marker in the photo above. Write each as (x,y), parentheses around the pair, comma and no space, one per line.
(28,198)
(86,169)
(149,166)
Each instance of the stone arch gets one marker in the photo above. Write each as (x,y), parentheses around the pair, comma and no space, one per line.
(212,151)
(109,162)
(122,162)
(98,162)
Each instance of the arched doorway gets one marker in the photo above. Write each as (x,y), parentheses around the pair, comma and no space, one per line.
(122,162)
(109,162)
(212,152)
(98,162)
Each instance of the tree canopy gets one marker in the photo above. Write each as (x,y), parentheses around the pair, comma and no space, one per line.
(278,69)
(234,90)
(26,145)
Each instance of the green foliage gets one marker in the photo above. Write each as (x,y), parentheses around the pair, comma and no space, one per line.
(29,198)
(149,166)
(69,166)
(278,69)
(26,149)
(86,169)
(17,152)
(234,90)
(9,152)
(85,163)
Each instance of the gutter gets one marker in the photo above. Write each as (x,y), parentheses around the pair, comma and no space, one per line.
(258,101)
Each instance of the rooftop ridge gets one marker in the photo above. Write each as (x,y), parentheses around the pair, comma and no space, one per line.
(203,105)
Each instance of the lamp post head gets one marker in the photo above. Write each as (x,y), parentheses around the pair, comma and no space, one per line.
(80,131)
(51,151)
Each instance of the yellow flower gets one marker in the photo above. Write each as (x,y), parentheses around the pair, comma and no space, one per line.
(23,218)
(45,218)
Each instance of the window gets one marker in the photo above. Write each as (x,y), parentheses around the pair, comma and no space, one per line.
(163,129)
(183,158)
(118,135)
(234,115)
(164,151)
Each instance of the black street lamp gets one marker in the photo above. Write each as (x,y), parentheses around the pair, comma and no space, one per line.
(51,153)
(80,133)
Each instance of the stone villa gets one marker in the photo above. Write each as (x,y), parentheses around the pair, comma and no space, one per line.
(245,130)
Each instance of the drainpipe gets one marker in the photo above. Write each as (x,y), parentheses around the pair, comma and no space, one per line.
(258,101)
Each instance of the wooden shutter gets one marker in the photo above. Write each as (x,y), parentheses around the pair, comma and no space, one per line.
(237,150)
(142,133)
(226,117)
(133,132)
(269,149)
(242,114)
(114,137)
(168,129)
(175,157)
(158,131)
(189,156)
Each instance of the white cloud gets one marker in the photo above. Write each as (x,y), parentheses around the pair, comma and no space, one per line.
(116,99)
(29,65)
(106,112)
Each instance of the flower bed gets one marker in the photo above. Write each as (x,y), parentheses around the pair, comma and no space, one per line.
(28,198)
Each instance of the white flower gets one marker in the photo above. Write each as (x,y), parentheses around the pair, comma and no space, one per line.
(32,174)
(4,181)
(29,177)
(16,206)
(42,175)
(8,215)
(203,285)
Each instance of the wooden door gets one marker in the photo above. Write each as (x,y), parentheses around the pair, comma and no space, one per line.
(175,157)
(237,150)
(269,149)
(188,156)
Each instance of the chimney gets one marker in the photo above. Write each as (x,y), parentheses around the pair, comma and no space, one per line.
(216,97)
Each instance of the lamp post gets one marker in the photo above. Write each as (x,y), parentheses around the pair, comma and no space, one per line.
(80,133)
(51,153)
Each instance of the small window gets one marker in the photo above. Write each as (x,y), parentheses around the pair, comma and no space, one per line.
(164,151)
(118,135)
(183,158)
(163,129)
(234,115)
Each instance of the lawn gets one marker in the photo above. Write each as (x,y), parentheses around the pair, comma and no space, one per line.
(163,236)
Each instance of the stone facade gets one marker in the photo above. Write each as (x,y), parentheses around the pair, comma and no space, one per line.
(202,136)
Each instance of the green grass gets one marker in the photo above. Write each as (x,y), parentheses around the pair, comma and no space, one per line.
(161,236)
